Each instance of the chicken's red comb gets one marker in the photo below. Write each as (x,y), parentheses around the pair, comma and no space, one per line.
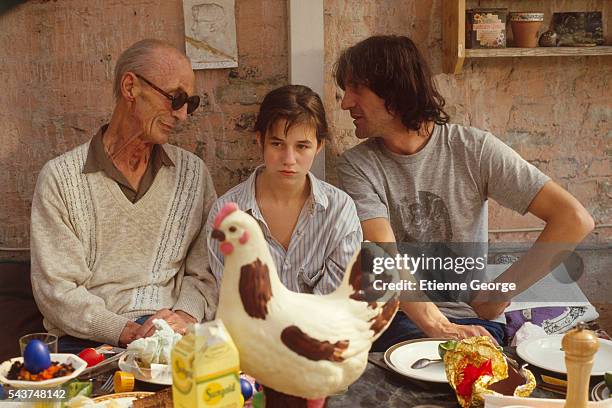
(225,211)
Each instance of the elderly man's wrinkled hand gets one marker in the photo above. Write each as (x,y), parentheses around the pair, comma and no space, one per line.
(178,321)
(129,334)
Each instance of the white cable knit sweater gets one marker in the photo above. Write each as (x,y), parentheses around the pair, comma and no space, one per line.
(99,260)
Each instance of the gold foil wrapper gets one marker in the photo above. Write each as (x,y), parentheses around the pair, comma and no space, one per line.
(476,351)
(526,389)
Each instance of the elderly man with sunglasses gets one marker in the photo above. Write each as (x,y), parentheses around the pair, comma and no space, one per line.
(117,233)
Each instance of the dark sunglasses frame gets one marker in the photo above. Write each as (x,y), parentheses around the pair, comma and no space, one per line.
(179,99)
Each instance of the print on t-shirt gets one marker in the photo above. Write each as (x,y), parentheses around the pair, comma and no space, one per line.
(425,220)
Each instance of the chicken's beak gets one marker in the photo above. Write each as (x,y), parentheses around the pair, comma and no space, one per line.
(218,235)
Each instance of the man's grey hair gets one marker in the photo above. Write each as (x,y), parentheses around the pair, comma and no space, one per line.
(139,58)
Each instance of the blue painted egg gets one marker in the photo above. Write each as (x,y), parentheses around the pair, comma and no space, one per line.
(36,357)
(246,388)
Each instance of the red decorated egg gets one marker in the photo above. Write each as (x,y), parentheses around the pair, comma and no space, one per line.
(91,356)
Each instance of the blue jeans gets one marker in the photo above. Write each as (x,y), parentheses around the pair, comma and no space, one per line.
(402,329)
(74,345)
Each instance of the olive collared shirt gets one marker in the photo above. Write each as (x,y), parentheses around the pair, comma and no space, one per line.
(98,160)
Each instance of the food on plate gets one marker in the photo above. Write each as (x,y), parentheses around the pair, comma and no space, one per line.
(91,356)
(19,372)
(36,357)
(476,367)
(155,349)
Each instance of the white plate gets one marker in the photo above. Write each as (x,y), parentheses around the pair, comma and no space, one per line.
(401,356)
(600,392)
(163,376)
(546,353)
(123,396)
(77,363)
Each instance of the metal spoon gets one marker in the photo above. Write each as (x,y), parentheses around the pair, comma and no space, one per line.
(424,362)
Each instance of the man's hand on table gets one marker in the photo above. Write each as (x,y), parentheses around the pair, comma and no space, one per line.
(129,334)
(178,321)
(450,330)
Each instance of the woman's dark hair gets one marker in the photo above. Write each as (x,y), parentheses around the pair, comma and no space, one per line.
(393,68)
(297,104)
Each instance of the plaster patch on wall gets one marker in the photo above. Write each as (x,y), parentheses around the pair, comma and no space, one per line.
(210,33)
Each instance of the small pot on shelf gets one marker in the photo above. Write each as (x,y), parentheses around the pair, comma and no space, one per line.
(525,28)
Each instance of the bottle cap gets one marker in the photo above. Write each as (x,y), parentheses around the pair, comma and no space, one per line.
(123,381)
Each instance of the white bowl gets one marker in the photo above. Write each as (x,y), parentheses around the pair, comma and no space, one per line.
(77,363)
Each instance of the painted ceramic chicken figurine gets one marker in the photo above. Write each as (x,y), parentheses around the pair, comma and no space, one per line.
(309,346)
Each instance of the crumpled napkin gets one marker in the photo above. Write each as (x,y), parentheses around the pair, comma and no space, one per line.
(526,332)
(155,349)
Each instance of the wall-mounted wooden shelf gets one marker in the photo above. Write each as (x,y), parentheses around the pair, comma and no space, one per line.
(539,52)
(454,51)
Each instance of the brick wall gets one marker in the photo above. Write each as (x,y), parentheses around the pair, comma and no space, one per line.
(56,74)
(554,111)
(58,56)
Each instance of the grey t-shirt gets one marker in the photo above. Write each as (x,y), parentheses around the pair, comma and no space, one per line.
(440,193)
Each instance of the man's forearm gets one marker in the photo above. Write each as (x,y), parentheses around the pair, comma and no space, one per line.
(567,224)
(420,311)
(554,244)
(425,315)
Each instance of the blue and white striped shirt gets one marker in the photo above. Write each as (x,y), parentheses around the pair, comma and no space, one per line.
(323,241)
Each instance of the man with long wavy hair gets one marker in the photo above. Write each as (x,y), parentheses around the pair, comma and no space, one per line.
(418,178)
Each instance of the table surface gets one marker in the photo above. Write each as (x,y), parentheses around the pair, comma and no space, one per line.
(379,386)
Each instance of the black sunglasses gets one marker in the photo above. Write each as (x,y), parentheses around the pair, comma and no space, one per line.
(177,100)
